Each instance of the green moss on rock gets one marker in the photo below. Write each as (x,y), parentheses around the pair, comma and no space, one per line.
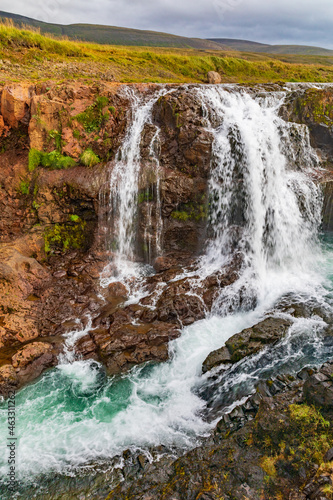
(89,158)
(299,440)
(68,236)
(53,160)
(190,211)
(24,187)
(146,195)
(93,117)
(315,105)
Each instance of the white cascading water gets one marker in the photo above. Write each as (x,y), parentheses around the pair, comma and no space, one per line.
(73,416)
(124,187)
(153,232)
(260,171)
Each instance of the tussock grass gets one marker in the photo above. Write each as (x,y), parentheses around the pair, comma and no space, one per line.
(53,160)
(33,56)
(89,158)
(11,36)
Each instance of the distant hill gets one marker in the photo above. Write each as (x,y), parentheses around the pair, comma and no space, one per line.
(248,46)
(113,35)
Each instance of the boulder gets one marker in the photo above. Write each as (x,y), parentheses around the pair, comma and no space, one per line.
(219,357)
(8,379)
(117,290)
(15,104)
(318,389)
(122,347)
(248,342)
(31,360)
(213,77)
(163,263)
(178,305)
(252,340)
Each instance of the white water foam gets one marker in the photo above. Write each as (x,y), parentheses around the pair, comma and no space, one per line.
(122,210)
(260,182)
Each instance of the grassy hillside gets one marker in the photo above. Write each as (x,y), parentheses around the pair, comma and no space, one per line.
(29,55)
(112,35)
(248,46)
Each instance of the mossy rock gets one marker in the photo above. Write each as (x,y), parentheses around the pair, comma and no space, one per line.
(190,211)
(315,106)
(68,236)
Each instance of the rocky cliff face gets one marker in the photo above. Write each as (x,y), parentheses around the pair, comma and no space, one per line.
(58,148)
(314,108)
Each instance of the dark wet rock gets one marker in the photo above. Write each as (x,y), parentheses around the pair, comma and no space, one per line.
(127,335)
(319,488)
(41,295)
(60,274)
(252,340)
(177,303)
(8,380)
(187,300)
(256,452)
(219,357)
(86,347)
(327,217)
(128,345)
(318,388)
(329,455)
(164,263)
(117,290)
(248,342)
(185,142)
(313,107)
(303,307)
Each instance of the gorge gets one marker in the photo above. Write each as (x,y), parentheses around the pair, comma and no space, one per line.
(162,289)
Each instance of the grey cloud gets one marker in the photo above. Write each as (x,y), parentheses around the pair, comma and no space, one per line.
(279,21)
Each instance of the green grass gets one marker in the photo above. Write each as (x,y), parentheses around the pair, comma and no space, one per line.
(39,57)
(89,158)
(24,187)
(53,160)
(34,159)
(93,117)
(56,136)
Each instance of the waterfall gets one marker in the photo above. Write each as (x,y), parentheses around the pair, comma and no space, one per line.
(153,231)
(263,202)
(264,207)
(122,203)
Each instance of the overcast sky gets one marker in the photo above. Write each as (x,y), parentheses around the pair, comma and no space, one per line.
(270,21)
